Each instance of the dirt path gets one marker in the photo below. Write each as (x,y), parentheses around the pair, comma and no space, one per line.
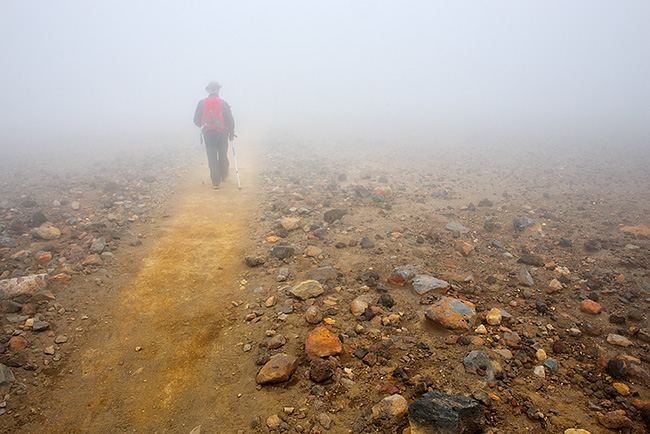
(164,357)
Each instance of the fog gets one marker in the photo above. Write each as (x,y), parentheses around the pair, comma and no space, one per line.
(91,74)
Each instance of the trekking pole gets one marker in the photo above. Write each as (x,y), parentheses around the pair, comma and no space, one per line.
(236,168)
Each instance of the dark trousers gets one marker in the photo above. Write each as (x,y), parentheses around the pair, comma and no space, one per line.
(216,146)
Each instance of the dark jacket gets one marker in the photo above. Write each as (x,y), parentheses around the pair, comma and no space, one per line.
(228,120)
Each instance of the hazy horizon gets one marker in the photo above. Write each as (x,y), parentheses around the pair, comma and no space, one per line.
(128,73)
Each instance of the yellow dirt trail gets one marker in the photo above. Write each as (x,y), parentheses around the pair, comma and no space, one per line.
(160,360)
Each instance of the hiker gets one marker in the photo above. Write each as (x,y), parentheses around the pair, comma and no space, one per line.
(214,117)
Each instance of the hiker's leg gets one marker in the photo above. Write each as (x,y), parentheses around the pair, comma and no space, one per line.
(211,149)
(223,157)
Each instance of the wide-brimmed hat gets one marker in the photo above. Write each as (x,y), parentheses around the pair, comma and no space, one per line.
(213,87)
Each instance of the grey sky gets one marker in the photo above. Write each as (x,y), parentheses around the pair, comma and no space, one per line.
(129,71)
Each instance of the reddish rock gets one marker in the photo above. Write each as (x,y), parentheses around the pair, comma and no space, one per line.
(278,369)
(321,369)
(636,372)
(559,347)
(637,230)
(397,279)
(640,403)
(451,340)
(44,257)
(590,307)
(320,342)
(21,254)
(92,260)
(370,359)
(452,313)
(614,420)
(61,277)
(17,343)
(388,388)
(7,306)
(28,309)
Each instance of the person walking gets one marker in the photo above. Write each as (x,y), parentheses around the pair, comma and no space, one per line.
(214,117)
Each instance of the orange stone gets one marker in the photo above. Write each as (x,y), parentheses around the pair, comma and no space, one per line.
(637,230)
(278,369)
(320,342)
(452,313)
(61,277)
(640,403)
(590,307)
(397,279)
(464,248)
(17,343)
(93,260)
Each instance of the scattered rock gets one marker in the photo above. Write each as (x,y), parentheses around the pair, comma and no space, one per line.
(282,252)
(321,369)
(614,420)
(476,360)
(278,369)
(6,378)
(320,342)
(456,227)
(367,243)
(254,261)
(392,406)
(307,289)
(440,413)
(28,285)
(334,214)
(452,313)
(423,283)
(524,278)
(525,224)
(590,307)
(618,340)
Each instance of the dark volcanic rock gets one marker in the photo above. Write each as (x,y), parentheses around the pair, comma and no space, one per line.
(334,214)
(323,274)
(593,246)
(476,360)
(282,252)
(386,300)
(530,259)
(616,368)
(367,243)
(6,376)
(361,190)
(522,223)
(37,219)
(440,413)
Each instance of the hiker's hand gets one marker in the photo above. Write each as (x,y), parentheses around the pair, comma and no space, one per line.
(231,137)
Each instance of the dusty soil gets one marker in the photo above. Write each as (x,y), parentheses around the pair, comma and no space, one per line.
(170,334)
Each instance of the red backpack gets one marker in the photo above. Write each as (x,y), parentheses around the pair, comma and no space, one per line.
(212,115)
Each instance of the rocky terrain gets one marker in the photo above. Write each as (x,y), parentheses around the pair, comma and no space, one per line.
(492,290)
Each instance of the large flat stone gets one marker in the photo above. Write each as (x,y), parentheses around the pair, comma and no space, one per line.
(307,289)
(320,342)
(440,413)
(452,313)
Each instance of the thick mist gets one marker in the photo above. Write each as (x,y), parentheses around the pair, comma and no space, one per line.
(121,74)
